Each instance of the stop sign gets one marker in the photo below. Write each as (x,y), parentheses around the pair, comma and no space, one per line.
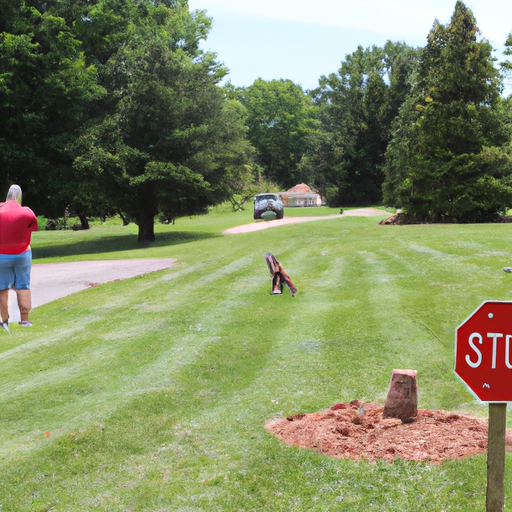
(483,351)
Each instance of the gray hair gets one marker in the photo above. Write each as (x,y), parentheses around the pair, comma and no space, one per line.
(14,193)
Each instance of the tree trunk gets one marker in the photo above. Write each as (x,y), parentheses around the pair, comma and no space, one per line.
(402,398)
(146,223)
(123,218)
(83,220)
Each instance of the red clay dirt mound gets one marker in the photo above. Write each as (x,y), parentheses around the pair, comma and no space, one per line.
(357,431)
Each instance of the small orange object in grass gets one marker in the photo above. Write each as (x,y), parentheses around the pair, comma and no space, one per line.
(47,434)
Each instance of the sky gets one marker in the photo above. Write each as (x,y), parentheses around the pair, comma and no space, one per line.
(302,40)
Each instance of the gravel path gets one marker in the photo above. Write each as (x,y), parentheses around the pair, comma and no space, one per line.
(259,225)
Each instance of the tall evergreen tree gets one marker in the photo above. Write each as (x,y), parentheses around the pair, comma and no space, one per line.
(167,141)
(357,105)
(447,159)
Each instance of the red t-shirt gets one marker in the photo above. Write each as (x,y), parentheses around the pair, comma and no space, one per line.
(16,225)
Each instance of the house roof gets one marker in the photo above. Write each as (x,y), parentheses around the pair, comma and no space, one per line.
(301,190)
(302,187)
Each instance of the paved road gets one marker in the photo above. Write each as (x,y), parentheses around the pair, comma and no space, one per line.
(52,281)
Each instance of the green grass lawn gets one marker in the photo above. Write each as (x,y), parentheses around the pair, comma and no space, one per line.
(155,389)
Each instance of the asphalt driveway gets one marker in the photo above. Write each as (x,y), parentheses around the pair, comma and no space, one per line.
(52,281)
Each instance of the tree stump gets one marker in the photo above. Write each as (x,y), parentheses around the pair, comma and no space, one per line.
(402,398)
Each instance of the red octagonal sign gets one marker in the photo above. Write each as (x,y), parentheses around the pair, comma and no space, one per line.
(483,352)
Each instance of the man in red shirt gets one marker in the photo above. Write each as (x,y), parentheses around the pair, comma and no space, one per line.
(16,225)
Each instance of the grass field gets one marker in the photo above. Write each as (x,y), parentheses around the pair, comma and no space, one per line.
(154,390)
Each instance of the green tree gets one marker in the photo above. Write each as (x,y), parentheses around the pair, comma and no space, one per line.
(111,105)
(357,106)
(448,159)
(280,116)
(169,140)
(46,88)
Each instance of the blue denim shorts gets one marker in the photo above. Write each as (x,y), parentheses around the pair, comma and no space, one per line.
(15,270)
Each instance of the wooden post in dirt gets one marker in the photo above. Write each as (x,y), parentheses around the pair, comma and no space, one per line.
(495,498)
(484,368)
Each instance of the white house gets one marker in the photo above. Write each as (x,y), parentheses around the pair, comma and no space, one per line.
(301,195)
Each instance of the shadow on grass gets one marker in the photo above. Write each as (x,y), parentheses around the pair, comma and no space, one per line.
(116,244)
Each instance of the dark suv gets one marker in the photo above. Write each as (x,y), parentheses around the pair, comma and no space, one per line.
(268,202)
